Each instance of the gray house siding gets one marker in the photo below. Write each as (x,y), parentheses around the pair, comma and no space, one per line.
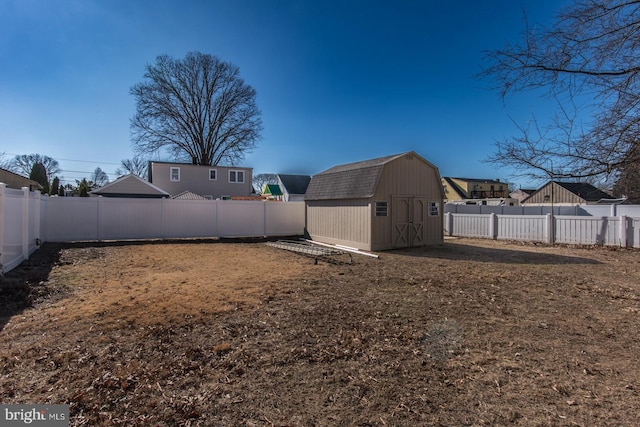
(196,179)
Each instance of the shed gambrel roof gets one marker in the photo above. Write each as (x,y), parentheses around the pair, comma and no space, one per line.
(357,180)
(295,184)
(130,186)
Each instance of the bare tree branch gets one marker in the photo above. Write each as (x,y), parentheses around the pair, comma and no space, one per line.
(591,52)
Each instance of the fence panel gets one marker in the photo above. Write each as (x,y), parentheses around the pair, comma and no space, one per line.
(633,235)
(69,219)
(195,218)
(465,225)
(580,230)
(12,228)
(129,219)
(522,227)
(285,219)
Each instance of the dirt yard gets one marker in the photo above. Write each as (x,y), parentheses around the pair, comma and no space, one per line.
(215,333)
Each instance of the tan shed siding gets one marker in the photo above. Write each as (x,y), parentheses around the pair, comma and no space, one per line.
(345,222)
(408,177)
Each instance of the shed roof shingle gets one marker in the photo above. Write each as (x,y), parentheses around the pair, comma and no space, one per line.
(349,181)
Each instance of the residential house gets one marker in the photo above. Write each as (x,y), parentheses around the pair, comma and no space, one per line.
(522,194)
(378,204)
(13,180)
(211,182)
(293,187)
(476,191)
(566,193)
(130,186)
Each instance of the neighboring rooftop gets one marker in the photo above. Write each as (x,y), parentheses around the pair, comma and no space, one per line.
(295,184)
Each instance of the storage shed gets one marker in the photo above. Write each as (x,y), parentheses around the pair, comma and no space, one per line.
(378,204)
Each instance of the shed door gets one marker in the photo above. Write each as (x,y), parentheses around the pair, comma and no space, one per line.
(407,215)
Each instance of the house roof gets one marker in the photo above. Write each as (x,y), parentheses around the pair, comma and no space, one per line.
(130,186)
(13,180)
(586,191)
(454,187)
(188,195)
(294,184)
(479,180)
(272,190)
(357,180)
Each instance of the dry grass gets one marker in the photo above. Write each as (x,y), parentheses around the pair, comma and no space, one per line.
(201,333)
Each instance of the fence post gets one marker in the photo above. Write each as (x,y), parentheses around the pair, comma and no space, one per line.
(449,223)
(493,229)
(264,218)
(3,187)
(623,231)
(37,213)
(25,223)
(550,234)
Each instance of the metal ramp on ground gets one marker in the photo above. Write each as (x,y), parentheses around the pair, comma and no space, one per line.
(308,249)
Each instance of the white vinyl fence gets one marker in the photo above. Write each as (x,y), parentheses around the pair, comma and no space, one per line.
(620,230)
(20,225)
(28,219)
(576,210)
(105,218)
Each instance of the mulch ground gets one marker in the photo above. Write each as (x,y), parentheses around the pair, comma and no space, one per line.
(212,333)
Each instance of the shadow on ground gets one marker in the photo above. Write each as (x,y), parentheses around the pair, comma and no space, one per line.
(461,252)
(26,284)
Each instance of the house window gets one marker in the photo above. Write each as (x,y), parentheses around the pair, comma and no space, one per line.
(236,176)
(213,174)
(382,209)
(174,174)
(434,208)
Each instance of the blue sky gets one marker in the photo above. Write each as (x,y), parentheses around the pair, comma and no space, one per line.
(336,81)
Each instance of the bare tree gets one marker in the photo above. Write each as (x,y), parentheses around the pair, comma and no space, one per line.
(628,183)
(4,163)
(99,178)
(198,108)
(136,166)
(588,61)
(23,164)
